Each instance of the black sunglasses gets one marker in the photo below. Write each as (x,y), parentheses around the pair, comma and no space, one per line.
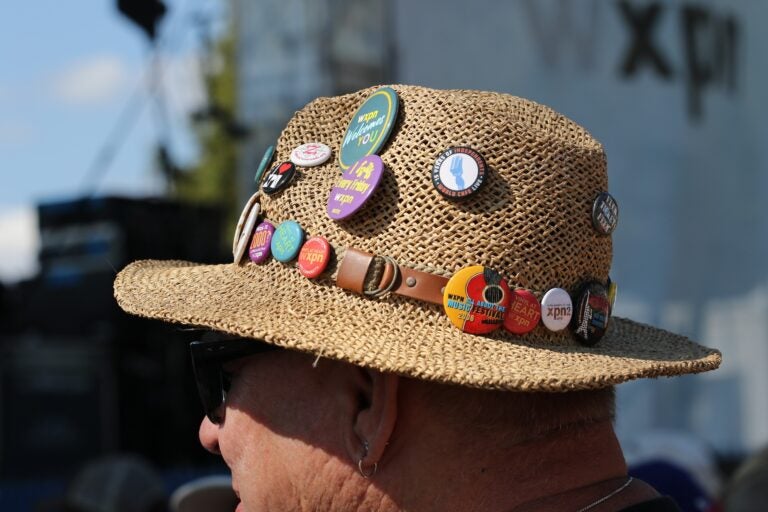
(207,359)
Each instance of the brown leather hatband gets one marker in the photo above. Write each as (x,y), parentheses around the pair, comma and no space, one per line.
(356,266)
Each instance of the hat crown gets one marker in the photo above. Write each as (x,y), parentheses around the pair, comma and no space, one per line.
(531,220)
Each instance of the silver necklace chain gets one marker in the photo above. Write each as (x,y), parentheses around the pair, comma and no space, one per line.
(606,498)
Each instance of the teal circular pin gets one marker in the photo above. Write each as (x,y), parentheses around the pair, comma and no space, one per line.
(370,127)
(265,160)
(287,241)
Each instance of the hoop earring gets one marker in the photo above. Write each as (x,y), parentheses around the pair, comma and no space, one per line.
(366,474)
(370,472)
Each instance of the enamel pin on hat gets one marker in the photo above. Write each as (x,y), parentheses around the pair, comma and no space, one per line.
(278,178)
(459,172)
(354,187)
(310,154)
(369,127)
(476,299)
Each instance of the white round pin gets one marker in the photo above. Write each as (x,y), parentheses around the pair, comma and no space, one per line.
(310,154)
(556,309)
(241,220)
(245,234)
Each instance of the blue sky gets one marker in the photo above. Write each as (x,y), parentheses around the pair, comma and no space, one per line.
(68,71)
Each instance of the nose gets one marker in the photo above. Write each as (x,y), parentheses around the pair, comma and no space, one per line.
(209,436)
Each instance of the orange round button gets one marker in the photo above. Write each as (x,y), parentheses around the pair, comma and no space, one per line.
(314,257)
(524,312)
(476,299)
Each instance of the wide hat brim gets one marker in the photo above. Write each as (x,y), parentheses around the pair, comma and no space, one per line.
(274,303)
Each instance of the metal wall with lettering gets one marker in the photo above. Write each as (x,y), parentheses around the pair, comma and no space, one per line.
(677,92)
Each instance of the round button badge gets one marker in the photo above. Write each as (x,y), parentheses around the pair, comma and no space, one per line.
(476,299)
(265,161)
(556,309)
(459,172)
(605,213)
(241,221)
(260,242)
(355,187)
(286,241)
(593,309)
(310,154)
(369,127)
(524,312)
(314,257)
(278,178)
(245,235)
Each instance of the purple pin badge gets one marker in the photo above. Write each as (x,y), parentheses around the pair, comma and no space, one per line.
(260,243)
(355,187)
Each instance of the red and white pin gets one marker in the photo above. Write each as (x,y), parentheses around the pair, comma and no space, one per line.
(310,154)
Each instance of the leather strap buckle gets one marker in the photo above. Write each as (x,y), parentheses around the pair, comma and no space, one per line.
(356,266)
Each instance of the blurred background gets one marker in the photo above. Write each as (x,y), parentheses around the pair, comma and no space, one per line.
(132,129)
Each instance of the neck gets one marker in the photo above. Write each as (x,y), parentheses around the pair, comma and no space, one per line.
(574,466)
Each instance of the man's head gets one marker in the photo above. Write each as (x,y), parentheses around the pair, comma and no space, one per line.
(442,308)
(295,429)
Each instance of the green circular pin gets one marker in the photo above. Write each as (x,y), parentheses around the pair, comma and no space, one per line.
(370,127)
(265,160)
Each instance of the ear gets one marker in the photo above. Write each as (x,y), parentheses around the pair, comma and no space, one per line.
(374,417)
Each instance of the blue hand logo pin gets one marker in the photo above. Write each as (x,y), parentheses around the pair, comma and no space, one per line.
(458,172)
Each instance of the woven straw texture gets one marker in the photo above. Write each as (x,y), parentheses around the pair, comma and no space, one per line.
(531,221)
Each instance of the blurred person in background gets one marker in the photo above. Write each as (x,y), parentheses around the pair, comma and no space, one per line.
(677,464)
(115,483)
(389,337)
(747,490)
(206,494)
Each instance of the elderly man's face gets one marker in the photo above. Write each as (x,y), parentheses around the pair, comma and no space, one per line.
(281,432)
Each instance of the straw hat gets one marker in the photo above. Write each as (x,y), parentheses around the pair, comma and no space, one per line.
(531,221)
